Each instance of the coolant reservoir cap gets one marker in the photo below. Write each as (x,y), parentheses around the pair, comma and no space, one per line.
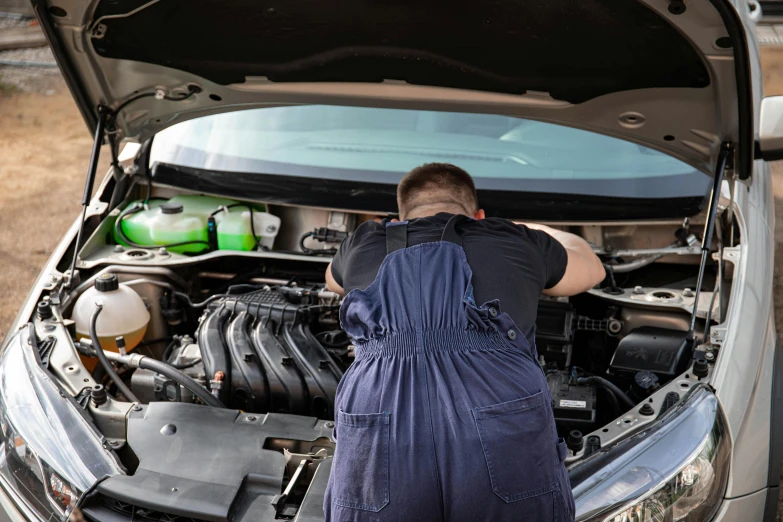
(107,283)
(171,208)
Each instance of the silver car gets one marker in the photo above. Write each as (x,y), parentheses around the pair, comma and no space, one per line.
(179,355)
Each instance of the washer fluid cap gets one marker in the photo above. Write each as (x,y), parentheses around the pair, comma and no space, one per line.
(171,208)
(107,283)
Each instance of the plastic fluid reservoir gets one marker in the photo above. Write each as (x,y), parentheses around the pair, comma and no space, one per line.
(124,313)
(234,231)
(166,223)
(181,219)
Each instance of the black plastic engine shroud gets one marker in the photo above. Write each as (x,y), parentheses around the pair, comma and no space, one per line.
(270,360)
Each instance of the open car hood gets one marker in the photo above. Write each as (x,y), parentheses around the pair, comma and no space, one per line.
(665,74)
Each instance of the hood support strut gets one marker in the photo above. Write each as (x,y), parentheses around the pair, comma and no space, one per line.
(726,152)
(100,130)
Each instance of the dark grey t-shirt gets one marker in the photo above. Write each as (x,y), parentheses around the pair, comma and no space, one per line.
(510,262)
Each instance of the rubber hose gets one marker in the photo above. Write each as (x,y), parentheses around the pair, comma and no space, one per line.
(185,366)
(600,381)
(177,376)
(614,402)
(102,357)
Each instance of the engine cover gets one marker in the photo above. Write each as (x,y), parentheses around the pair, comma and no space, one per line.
(269,359)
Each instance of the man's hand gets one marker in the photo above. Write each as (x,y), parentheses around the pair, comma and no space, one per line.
(584,269)
(331,284)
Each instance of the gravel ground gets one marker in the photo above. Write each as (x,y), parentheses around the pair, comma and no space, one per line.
(29,79)
(8,22)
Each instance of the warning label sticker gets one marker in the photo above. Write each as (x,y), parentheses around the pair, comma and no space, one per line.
(573,404)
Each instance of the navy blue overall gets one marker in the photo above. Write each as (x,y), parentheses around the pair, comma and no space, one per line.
(445,415)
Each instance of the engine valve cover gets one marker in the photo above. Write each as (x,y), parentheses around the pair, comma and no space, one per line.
(260,356)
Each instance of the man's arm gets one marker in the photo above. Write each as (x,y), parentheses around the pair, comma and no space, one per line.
(583,271)
(331,284)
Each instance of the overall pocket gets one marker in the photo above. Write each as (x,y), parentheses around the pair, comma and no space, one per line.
(360,472)
(521,456)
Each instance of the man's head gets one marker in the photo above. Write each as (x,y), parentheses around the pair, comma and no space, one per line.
(437,187)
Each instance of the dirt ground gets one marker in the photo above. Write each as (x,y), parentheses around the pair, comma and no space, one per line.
(44,152)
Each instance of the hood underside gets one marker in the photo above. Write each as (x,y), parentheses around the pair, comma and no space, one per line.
(660,73)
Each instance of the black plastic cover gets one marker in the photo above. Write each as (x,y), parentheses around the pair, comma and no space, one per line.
(211,464)
(660,350)
(555,331)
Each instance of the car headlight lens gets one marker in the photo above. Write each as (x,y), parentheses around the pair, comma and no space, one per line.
(674,471)
(50,454)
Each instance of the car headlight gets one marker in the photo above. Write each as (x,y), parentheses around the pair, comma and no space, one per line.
(676,470)
(50,454)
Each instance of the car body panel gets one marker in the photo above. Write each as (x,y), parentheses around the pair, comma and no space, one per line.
(698,119)
(742,509)
(743,373)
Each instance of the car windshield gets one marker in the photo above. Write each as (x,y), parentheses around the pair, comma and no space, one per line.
(378,146)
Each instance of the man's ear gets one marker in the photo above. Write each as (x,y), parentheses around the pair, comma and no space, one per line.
(479,214)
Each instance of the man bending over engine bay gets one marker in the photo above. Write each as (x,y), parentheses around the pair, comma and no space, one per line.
(445,414)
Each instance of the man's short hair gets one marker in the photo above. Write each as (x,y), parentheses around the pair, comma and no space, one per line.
(437,184)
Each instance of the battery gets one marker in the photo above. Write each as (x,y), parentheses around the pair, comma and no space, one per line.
(573,404)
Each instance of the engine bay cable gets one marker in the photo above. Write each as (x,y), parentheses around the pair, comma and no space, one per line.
(148,363)
(101,355)
(600,381)
(325,235)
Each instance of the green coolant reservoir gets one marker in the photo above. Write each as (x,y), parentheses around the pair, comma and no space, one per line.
(184,218)
(235,233)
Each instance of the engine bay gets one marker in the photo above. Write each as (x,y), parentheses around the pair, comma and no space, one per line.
(253,329)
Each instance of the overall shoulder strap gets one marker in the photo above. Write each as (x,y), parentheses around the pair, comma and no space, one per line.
(450,233)
(396,236)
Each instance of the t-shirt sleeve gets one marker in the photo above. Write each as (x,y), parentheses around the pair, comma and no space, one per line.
(339,260)
(555,256)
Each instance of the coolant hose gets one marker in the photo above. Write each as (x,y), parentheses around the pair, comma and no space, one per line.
(600,381)
(134,360)
(104,360)
(177,376)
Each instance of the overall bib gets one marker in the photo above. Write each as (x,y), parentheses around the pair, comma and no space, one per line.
(445,414)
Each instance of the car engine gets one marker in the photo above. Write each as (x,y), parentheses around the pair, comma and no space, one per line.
(255,336)
(267,350)
(279,348)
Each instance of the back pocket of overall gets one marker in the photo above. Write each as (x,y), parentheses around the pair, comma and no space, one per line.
(360,472)
(521,456)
